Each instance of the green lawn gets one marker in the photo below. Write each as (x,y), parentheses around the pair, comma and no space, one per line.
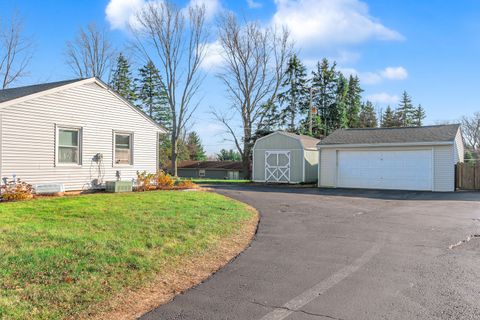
(60,256)
(202,181)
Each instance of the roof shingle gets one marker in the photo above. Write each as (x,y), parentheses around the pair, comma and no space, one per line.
(438,133)
(14,93)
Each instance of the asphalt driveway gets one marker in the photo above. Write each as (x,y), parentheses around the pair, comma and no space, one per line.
(346,254)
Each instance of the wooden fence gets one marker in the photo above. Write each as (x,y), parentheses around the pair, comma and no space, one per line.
(467,176)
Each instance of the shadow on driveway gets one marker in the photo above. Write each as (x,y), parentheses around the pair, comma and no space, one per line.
(355,193)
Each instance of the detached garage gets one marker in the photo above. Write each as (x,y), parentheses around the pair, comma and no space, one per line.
(413,158)
(283,157)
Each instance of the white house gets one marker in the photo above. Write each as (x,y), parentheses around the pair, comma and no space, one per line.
(414,158)
(78,133)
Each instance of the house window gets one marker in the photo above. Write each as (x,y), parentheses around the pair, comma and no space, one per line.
(68,146)
(201,173)
(123,148)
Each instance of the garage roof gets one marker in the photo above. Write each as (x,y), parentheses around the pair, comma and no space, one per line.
(438,133)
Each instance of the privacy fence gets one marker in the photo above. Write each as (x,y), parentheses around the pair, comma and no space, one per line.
(467,176)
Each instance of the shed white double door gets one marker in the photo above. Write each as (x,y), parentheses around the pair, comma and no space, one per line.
(387,169)
(277,166)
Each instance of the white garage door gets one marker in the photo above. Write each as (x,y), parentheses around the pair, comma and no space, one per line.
(403,170)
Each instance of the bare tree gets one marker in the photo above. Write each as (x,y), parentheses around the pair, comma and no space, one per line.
(15,51)
(176,38)
(255,58)
(471,131)
(90,53)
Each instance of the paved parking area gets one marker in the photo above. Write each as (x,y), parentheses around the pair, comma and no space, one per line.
(346,254)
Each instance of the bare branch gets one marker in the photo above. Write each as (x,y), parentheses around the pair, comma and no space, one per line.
(177,40)
(90,54)
(254,67)
(15,52)
(471,131)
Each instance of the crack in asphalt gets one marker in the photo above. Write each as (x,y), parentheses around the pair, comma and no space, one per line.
(297,310)
(459,243)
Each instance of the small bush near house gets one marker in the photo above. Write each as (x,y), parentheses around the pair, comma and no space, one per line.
(164,180)
(186,184)
(16,191)
(144,181)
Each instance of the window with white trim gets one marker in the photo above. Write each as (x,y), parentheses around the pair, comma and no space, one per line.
(123,148)
(201,173)
(68,148)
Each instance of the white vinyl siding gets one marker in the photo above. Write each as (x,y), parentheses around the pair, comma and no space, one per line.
(444,168)
(327,167)
(29,129)
(459,148)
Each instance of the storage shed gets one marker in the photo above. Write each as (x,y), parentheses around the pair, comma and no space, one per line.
(283,157)
(412,158)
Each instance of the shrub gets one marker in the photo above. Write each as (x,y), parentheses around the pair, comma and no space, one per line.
(164,180)
(144,181)
(186,184)
(16,191)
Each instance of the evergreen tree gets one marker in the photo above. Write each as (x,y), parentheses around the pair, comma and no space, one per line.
(152,95)
(122,81)
(324,88)
(367,117)
(354,101)
(195,147)
(389,118)
(165,154)
(340,116)
(295,97)
(269,121)
(405,111)
(418,116)
(228,155)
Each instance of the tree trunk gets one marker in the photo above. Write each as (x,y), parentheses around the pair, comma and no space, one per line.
(174,155)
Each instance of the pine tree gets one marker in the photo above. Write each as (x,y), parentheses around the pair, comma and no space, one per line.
(122,81)
(418,116)
(152,96)
(388,118)
(367,117)
(228,155)
(195,147)
(405,110)
(324,88)
(295,97)
(354,101)
(340,118)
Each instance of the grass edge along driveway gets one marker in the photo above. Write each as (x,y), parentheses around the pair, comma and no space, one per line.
(78,256)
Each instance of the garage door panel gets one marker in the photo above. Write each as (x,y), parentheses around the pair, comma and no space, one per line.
(405,169)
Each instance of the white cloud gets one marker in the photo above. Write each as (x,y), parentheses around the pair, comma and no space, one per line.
(322,23)
(121,13)
(213,56)
(212,7)
(252,4)
(383,98)
(389,73)
(395,73)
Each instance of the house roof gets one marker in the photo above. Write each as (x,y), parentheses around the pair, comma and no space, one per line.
(307,141)
(212,165)
(438,133)
(14,93)
(32,90)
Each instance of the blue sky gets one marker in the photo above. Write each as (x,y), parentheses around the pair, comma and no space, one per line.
(429,48)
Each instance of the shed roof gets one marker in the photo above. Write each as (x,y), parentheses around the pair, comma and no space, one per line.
(14,93)
(306,141)
(437,133)
(216,165)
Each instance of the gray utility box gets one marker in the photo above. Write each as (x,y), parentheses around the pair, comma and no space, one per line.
(118,186)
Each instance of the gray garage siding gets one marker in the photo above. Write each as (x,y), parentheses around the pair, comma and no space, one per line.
(296,167)
(311,165)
